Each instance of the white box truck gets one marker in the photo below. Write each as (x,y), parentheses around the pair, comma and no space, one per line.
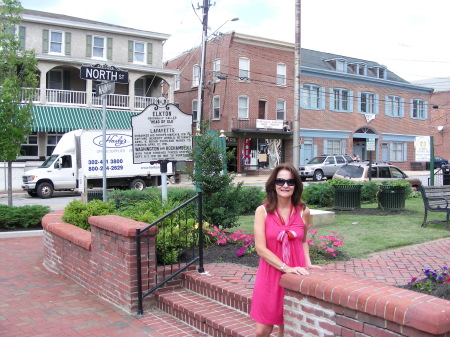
(78,158)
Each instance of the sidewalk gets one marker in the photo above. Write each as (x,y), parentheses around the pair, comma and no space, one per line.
(35,302)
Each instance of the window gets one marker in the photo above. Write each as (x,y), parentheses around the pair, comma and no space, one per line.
(195,75)
(52,140)
(139,52)
(244,69)
(30,146)
(394,106)
(216,107)
(216,70)
(56,42)
(312,97)
(98,47)
(194,109)
(333,147)
(341,65)
(419,109)
(243,107)
(281,109)
(55,79)
(177,82)
(398,151)
(358,68)
(379,72)
(281,74)
(368,103)
(341,100)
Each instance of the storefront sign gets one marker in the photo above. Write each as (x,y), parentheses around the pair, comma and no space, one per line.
(269,124)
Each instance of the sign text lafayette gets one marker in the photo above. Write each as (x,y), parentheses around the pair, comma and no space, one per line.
(161,132)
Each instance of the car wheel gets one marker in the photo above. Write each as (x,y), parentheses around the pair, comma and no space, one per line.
(32,194)
(318,175)
(137,184)
(45,190)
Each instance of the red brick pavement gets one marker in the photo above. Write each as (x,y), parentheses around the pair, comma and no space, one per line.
(34,302)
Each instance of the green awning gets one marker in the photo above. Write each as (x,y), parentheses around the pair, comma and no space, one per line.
(64,119)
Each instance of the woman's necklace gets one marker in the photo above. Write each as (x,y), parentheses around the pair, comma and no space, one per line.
(281,218)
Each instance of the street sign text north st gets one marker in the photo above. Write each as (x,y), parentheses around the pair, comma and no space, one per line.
(103,74)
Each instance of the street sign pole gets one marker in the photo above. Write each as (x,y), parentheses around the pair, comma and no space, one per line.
(105,199)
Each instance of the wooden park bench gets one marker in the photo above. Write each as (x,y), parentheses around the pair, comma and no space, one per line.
(436,199)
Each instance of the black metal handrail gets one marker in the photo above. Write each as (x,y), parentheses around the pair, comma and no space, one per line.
(180,268)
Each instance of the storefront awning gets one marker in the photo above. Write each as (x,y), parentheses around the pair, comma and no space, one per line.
(64,119)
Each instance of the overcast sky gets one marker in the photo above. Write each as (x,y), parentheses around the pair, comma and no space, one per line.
(410,37)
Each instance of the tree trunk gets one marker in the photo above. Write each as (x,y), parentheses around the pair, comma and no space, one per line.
(10,200)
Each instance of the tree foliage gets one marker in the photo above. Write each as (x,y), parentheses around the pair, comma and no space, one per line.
(18,70)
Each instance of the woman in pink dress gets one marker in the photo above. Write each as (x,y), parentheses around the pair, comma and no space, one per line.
(280,230)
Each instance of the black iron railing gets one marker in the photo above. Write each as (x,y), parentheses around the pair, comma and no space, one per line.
(178,245)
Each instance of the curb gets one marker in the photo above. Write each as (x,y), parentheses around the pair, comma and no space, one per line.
(21,234)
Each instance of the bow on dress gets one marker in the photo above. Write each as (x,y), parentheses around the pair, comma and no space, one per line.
(284,236)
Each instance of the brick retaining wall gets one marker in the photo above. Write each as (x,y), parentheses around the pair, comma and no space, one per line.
(103,260)
(329,303)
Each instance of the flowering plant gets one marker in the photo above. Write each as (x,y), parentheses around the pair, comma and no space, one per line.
(324,245)
(431,277)
(217,235)
(222,237)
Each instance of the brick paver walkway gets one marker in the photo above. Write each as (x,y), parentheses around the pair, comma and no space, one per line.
(35,302)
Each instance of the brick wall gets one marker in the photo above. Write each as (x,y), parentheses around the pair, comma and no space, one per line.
(327,303)
(104,260)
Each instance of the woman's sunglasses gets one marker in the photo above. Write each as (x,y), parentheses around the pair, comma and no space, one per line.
(281,182)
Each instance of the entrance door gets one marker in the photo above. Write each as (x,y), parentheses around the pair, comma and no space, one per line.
(307,153)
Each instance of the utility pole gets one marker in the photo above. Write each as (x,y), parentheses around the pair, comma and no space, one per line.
(296,126)
(205,7)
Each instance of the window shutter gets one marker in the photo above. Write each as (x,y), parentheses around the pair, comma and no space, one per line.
(45,41)
(426,110)
(386,106)
(130,50)
(109,44)
(411,108)
(377,104)
(343,146)
(405,151)
(22,31)
(331,103)
(402,107)
(359,102)
(322,98)
(302,96)
(391,155)
(350,101)
(149,53)
(88,45)
(315,151)
(325,146)
(68,39)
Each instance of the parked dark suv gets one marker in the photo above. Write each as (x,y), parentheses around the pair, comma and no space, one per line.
(323,166)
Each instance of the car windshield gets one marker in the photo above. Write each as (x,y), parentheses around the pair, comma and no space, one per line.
(350,171)
(49,161)
(317,160)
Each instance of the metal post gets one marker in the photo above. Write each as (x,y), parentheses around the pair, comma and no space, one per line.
(296,124)
(105,199)
(139,272)
(201,269)
(163,169)
(431,160)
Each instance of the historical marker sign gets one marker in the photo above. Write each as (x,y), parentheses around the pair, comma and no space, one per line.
(104,73)
(161,132)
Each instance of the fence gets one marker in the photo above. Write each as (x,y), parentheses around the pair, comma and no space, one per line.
(176,246)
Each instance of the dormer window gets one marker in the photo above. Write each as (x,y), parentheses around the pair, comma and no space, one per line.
(379,72)
(358,68)
(338,64)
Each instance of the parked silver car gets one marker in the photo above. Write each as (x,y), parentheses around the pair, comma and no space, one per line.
(323,166)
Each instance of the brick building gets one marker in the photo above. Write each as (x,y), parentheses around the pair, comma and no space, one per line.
(249,93)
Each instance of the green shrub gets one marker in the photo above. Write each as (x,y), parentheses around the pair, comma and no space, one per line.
(124,198)
(77,213)
(173,238)
(22,216)
(369,191)
(333,182)
(180,195)
(223,209)
(250,197)
(321,194)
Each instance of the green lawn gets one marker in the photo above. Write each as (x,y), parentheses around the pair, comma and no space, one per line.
(366,234)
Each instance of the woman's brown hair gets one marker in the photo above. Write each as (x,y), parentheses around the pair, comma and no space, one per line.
(271,194)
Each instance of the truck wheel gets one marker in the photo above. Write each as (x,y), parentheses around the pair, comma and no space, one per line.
(32,194)
(45,190)
(137,184)
(318,175)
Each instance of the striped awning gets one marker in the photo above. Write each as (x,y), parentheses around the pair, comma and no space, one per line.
(64,119)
